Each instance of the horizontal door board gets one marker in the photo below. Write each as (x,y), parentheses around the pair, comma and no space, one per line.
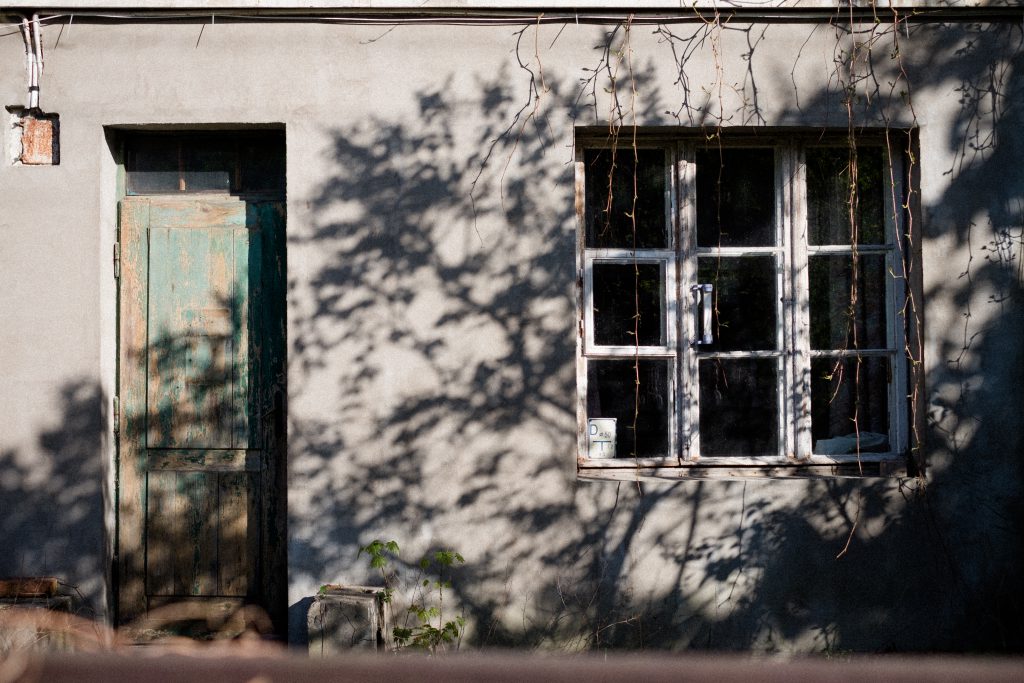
(227,460)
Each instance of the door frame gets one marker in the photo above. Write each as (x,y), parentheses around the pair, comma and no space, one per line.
(127,584)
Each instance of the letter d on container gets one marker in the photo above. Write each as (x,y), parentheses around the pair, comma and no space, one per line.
(601,437)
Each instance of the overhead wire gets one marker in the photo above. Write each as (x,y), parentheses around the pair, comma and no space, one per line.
(765,13)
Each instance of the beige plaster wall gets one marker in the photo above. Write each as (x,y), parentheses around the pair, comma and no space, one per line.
(431,317)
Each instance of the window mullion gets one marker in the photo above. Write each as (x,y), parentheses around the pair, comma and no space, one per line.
(579,167)
(896,289)
(675,302)
(686,217)
(800,394)
(783,285)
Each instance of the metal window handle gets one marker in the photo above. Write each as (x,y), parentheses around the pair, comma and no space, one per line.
(703,292)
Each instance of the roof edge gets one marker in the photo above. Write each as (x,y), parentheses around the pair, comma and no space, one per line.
(618,6)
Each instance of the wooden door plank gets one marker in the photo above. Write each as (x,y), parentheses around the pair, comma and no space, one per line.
(200,505)
(132,301)
(181,529)
(269,252)
(211,377)
(165,350)
(233,532)
(243,281)
(172,212)
(182,555)
(233,460)
(159,530)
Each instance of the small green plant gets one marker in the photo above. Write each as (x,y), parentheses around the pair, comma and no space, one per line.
(431,630)
(426,635)
(376,549)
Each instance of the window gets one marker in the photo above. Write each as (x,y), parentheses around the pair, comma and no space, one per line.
(237,162)
(741,307)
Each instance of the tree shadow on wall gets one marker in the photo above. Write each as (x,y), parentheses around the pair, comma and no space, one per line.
(440,313)
(52,500)
(435,347)
(974,397)
(935,565)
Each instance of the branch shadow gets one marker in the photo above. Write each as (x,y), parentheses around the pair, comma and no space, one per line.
(52,502)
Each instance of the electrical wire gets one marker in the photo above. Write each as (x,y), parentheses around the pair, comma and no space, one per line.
(769,12)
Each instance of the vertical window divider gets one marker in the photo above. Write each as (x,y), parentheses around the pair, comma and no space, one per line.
(800,358)
(784,169)
(686,219)
(581,360)
(672,303)
(896,296)
(588,302)
(679,335)
(783,287)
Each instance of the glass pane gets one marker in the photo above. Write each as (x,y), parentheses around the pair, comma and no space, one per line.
(209,165)
(735,197)
(739,406)
(745,302)
(616,173)
(206,161)
(847,312)
(628,304)
(152,166)
(636,393)
(850,405)
(263,163)
(830,196)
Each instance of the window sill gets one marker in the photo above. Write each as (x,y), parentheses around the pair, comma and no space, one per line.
(818,467)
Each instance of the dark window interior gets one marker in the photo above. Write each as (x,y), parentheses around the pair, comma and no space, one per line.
(626,199)
(236,162)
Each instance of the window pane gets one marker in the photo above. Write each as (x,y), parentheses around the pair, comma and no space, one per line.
(739,406)
(263,162)
(848,312)
(829,196)
(628,304)
(610,222)
(209,165)
(745,302)
(152,166)
(735,197)
(205,162)
(850,396)
(636,393)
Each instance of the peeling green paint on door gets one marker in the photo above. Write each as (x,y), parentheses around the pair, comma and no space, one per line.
(202,366)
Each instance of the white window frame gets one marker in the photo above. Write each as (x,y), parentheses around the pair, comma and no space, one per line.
(666,258)
(793,354)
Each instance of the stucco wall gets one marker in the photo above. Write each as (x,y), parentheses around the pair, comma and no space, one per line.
(431,314)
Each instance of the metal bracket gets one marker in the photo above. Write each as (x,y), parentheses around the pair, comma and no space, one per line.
(117,260)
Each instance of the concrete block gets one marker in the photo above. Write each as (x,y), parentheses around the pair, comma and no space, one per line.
(346,618)
(35,625)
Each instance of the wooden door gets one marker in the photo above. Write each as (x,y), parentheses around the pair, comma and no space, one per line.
(201,404)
